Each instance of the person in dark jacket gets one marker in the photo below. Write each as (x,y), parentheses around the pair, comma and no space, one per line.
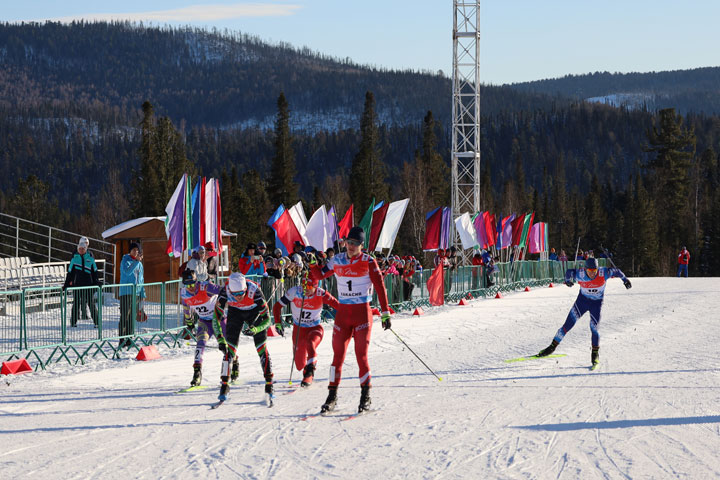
(82,272)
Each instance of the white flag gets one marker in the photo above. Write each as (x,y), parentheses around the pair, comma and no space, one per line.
(393,219)
(319,230)
(466,230)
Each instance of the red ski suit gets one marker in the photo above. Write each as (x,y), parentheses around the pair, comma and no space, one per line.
(356,278)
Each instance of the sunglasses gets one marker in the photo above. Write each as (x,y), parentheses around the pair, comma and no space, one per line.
(261,248)
(591,270)
(354,243)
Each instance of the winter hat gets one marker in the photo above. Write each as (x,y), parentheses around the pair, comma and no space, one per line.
(210,246)
(189,277)
(262,245)
(357,234)
(591,263)
(84,242)
(237,282)
(251,245)
(134,245)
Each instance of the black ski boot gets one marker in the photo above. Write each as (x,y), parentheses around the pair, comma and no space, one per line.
(595,355)
(235,370)
(224,389)
(550,349)
(197,375)
(308,375)
(269,385)
(364,399)
(330,401)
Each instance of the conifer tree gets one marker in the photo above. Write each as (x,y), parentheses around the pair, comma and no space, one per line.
(146,188)
(282,187)
(368,171)
(646,225)
(438,172)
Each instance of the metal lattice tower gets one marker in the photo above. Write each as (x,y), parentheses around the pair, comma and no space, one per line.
(465,190)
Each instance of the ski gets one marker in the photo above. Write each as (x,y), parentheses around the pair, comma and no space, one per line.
(193,388)
(358,414)
(534,357)
(316,415)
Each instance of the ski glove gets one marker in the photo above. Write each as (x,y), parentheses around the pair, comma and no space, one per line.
(627,283)
(249,331)
(385,320)
(222,344)
(280,329)
(569,283)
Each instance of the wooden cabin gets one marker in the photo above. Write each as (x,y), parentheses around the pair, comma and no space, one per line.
(149,232)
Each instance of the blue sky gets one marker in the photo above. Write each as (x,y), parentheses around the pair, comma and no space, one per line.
(520,39)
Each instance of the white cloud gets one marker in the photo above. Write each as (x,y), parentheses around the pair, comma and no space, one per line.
(192,13)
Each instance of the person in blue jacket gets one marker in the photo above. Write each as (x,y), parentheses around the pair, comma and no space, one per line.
(82,272)
(131,272)
(592,282)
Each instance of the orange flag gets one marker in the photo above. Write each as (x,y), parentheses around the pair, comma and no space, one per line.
(436,287)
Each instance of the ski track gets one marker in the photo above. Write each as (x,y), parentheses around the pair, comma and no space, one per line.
(649,411)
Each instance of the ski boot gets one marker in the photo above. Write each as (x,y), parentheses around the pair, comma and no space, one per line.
(364,399)
(330,401)
(308,375)
(550,349)
(235,370)
(595,356)
(269,385)
(197,375)
(224,389)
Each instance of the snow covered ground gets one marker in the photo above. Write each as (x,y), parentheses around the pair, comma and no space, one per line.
(652,410)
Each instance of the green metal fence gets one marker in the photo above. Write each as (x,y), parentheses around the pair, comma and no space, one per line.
(47,325)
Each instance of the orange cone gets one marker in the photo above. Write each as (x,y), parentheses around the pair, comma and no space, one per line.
(15,367)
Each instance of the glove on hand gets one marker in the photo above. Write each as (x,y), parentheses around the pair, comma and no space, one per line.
(627,284)
(569,283)
(222,344)
(385,320)
(280,329)
(249,331)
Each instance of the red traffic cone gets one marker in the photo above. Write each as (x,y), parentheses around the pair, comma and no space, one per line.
(551,285)
(375,312)
(148,353)
(418,311)
(527,289)
(498,295)
(463,302)
(15,367)
(271,332)
(391,310)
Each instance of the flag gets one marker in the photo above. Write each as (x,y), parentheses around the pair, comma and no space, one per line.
(393,219)
(319,230)
(466,231)
(210,219)
(537,241)
(517,226)
(195,206)
(278,243)
(332,220)
(479,224)
(366,222)
(188,231)
(297,214)
(377,224)
(286,230)
(175,219)
(433,227)
(446,223)
(218,218)
(203,206)
(490,229)
(436,287)
(527,223)
(505,238)
(346,223)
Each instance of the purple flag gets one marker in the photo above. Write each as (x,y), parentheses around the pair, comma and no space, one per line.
(332,220)
(479,223)
(175,219)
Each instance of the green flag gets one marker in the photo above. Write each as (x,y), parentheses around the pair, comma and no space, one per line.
(527,223)
(366,222)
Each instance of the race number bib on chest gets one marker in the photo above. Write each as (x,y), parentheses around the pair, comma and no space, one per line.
(353,281)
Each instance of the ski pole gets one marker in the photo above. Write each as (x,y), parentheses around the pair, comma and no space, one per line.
(416,355)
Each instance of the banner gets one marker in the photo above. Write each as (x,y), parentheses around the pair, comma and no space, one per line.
(436,287)
(466,231)
(319,231)
(433,227)
(377,224)
(393,219)
(297,214)
(527,223)
(286,230)
(278,243)
(537,242)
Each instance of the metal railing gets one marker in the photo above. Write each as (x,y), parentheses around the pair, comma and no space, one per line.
(49,324)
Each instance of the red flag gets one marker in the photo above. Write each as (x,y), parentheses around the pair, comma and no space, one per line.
(517,227)
(436,287)
(346,223)
(286,230)
(218,247)
(490,229)
(203,207)
(433,226)
(378,220)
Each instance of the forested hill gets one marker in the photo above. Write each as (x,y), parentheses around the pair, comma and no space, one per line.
(696,90)
(104,71)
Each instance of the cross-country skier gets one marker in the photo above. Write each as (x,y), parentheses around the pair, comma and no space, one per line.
(306,304)
(247,313)
(201,298)
(592,282)
(356,273)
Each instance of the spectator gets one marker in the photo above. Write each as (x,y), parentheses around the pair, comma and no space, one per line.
(341,245)
(262,250)
(299,249)
(553,256)
(82,272)
(441,259)
(131,272)
(250,263)
(272,264)
(212,261)
(198,264)
(407,277)
(477,261)
(683,260)
(330,253)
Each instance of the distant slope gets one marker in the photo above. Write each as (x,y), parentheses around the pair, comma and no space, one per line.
(696,90)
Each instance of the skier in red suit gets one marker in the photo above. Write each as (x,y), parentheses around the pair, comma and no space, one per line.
(357,274)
